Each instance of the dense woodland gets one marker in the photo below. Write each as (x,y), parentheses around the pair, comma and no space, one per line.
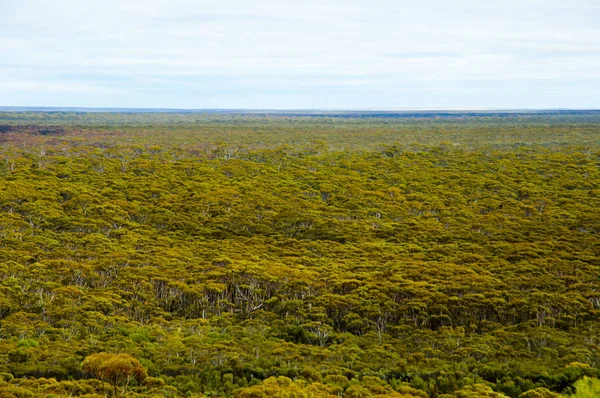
(226,255)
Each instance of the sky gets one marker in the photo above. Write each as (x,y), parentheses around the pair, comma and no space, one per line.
(309,54)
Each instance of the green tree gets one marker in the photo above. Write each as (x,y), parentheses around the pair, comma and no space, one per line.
(587,387)
(116,369)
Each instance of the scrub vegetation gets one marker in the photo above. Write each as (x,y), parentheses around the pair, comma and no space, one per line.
(287,255)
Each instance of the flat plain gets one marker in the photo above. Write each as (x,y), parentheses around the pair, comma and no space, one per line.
(299,254)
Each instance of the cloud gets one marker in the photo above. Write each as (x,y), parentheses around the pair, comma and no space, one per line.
(375,53)
(57,87)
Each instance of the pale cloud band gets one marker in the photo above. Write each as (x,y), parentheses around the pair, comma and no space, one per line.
(309,54)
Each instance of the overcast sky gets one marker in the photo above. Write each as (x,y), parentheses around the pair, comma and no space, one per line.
(300,54)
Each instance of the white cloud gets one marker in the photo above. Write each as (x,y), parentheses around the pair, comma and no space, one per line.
(57,87)
(377,46)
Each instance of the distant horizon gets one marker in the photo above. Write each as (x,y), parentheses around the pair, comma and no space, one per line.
(13,108)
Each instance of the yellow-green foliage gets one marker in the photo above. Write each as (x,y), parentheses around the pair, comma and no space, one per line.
(238,255)
(587,388)
(478,391)
(116,369)
(540,392)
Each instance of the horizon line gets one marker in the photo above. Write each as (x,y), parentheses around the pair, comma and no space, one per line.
(18,108)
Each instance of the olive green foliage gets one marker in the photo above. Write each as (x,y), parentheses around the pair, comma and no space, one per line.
(116,369)
(540,392)
(250,256)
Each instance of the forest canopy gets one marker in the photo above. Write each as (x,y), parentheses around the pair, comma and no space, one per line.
(302,256)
